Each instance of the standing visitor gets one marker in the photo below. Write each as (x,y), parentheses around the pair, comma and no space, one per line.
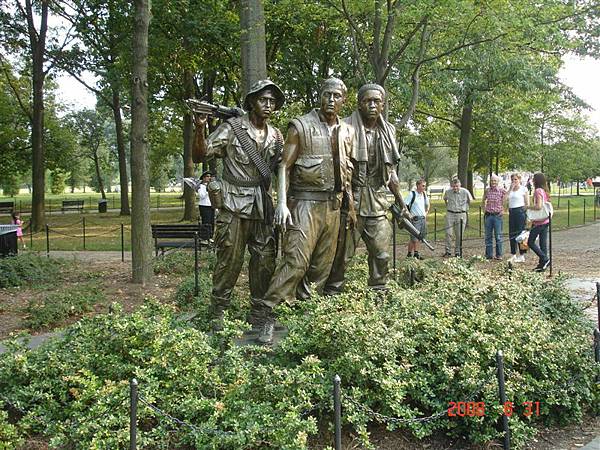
(207,212)
(457,201)
(418,205)
(518,201)
(493,204)
(16,220)
(540,227)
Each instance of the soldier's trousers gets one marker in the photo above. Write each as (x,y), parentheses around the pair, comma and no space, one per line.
(453,231)
(308,248)
(232,235)
(376,232)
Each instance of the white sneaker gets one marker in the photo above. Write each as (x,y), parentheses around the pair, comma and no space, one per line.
(520,258)
(513,259)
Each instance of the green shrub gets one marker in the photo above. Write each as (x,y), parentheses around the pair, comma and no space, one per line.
(9,436)
(28,269)
(54,308)
(404,354)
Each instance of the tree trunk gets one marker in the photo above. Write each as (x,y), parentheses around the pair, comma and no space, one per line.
(141,238)
(98,174)
(470,186)
(37,40)
(123,178)
(466,123)
(253,42)
(189,196)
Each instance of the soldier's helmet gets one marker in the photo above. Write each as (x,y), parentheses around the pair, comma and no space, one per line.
(261,85)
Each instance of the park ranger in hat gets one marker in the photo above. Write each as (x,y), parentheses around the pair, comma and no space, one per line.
(251,149)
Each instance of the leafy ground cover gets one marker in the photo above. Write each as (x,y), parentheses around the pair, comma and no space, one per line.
(405,354)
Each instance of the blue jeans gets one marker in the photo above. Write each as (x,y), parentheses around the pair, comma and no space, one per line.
(542,250)
(493,224)
(517,219)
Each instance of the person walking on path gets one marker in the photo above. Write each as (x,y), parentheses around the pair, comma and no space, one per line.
(457,201)
(518,201)
(493,203)
(418,205)
(540,227)
(16,220)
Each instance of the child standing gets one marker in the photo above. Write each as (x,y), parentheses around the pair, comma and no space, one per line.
(16,220)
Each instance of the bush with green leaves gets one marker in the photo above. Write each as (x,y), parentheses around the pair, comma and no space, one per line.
(405,353)
(56,307)
(28,269)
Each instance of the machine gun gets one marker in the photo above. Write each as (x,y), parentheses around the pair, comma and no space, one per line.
(405,223)
(220,111)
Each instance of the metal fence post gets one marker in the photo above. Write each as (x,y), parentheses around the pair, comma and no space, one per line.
(479,223)
(83,220)
(122,243)
(158,201)
(47,241)
(584,211)
(30,235)
(133,403)
(394,244)
(598,300)
(597,349)
(196,290)
(434,224)
(337,412)
(502,394)
(568,213)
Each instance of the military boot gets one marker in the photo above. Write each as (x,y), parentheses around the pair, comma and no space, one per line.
(256,315)
(265,334)
(216,312)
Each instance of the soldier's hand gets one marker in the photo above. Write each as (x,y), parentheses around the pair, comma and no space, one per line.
(200,120)
(283,217)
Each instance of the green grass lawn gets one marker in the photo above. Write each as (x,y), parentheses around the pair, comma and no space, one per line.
(54,202)
(103,231)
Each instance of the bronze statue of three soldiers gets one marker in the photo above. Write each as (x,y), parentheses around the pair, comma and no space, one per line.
(333,175)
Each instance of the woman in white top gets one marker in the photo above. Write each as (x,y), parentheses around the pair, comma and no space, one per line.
(518,200)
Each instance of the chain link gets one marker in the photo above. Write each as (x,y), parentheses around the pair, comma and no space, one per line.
(181,423)
(382,418)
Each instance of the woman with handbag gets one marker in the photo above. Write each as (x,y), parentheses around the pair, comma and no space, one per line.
(518,200)
(539,213)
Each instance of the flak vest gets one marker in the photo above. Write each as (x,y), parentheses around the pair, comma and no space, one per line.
(316,168)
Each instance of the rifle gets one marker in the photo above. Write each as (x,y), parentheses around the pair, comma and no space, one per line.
(220,111)
(407,224)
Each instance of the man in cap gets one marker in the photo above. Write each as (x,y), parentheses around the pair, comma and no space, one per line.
(251,149)
(314,177)
(376,155)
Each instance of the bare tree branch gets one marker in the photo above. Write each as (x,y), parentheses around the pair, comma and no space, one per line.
(445,119)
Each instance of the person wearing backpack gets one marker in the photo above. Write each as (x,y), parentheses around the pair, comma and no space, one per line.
(539,228)
(418,205)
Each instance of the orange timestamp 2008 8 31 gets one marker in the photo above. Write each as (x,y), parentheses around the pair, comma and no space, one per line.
(477,409)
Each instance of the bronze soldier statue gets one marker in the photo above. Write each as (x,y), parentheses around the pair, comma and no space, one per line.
(251,150)
(376,155)
(313,180)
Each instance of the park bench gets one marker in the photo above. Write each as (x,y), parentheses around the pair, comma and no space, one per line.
(7,207)
(179,236)
(436,191)
(72,205)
